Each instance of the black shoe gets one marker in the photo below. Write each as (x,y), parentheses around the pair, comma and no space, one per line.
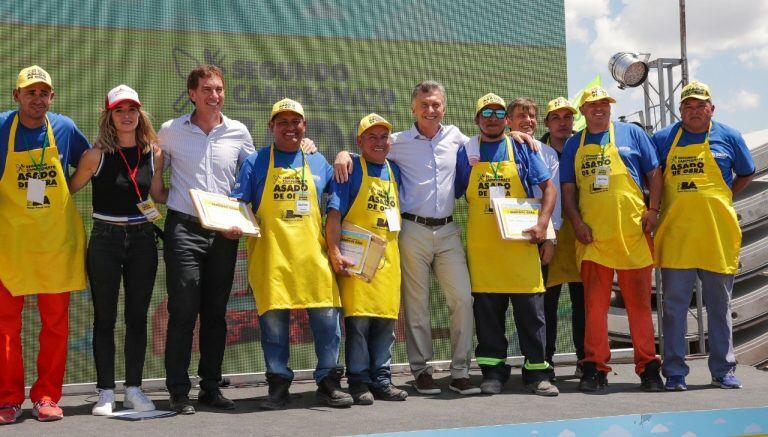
(278,396)
(181,404)
(215,399)
(329,391)
(650,379)
(361,395)
(593,380)
(389,393)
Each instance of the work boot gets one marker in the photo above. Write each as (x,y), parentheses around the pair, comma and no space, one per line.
(650,379)
(278,396)
(389,393)
(361,394)
(593,380)
(542,388)
(329,391)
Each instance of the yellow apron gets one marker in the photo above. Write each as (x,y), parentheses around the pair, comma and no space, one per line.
(288,265)
(496,265)
(42,246)
(697,209)
(614,213)
(563,268)
(380,297)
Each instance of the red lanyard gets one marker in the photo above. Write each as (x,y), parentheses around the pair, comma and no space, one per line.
(132,172)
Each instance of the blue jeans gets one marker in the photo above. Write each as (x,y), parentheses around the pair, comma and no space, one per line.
(717,288)
(275,341)
(369,350)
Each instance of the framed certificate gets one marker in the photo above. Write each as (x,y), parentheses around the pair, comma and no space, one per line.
(515,215)
(364,248)
(218,212)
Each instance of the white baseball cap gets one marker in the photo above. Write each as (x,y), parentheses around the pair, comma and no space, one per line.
(120,94)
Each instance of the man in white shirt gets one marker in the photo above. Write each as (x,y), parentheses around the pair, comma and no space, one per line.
(203,150)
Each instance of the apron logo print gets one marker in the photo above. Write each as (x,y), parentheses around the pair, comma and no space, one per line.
(34,205)
(382,223)
(288,214)
(687,186)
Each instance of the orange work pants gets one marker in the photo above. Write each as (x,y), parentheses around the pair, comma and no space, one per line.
(52,358)
(635,285)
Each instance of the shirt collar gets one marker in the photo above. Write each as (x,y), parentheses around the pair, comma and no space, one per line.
(186,119)
(414,132)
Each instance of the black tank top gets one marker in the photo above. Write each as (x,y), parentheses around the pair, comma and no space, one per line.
(114,195)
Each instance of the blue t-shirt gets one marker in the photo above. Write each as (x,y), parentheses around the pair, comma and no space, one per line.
(727,146)
(530,165)
(253,174)
(635,148)
(343,195)
(69,140)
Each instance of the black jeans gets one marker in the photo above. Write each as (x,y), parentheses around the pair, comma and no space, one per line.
(200,267)
(114,253)
(490,326)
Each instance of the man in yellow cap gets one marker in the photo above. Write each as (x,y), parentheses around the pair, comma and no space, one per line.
(705,164)
(288,265)
(369,199)
(562,268)
(605,165)
(42,240)
(504,270)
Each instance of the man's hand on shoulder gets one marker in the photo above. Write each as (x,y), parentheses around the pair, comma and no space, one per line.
(342,167)
(521,138)
(308,146)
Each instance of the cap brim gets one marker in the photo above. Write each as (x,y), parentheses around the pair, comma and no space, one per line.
(118,102)
(275,114)
(34,81)
(609,98)
(570,109)
(381,123)
(697,97)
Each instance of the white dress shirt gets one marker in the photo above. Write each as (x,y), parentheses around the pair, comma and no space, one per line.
(205,162)
(428,170)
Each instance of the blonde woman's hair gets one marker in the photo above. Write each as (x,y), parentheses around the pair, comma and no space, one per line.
(107,136)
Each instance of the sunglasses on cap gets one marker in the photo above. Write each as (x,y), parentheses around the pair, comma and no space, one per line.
(499,113)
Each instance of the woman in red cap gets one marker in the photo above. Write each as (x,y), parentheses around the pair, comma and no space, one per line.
(122,167)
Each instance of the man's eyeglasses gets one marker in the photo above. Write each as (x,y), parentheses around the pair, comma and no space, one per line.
(499,113)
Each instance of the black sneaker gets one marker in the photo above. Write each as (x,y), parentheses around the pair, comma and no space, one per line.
(329,391)
(215,399)
(181,404)
(593,380)
(650,379)
(361,395)
(389,393)
(278,396)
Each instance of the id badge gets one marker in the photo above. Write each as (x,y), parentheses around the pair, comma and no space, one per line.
(35,191)
(302,204)
(147,208)
(393,219)
(498,192)
(602,178)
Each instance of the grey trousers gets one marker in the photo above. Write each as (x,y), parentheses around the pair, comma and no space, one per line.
(717,288)
(423,248)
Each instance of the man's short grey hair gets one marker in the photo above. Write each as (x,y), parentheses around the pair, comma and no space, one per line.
(428,86)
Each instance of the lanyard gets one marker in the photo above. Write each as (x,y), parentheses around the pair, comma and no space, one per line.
(132,172)
(495,170)
(303,164)
(391,180)
(38,165)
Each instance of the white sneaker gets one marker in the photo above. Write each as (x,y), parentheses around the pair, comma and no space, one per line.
(136,399)
(106,403)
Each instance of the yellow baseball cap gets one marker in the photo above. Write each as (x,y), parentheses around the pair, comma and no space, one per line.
(489,99)
(287,105)
(594,94)
(32,75)
(559,103)
(372,120)
(696,90)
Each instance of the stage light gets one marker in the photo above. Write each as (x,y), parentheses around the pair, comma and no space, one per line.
(628,69)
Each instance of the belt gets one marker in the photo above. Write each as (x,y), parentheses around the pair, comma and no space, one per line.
(427,221)
(183,216)
(122,228)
